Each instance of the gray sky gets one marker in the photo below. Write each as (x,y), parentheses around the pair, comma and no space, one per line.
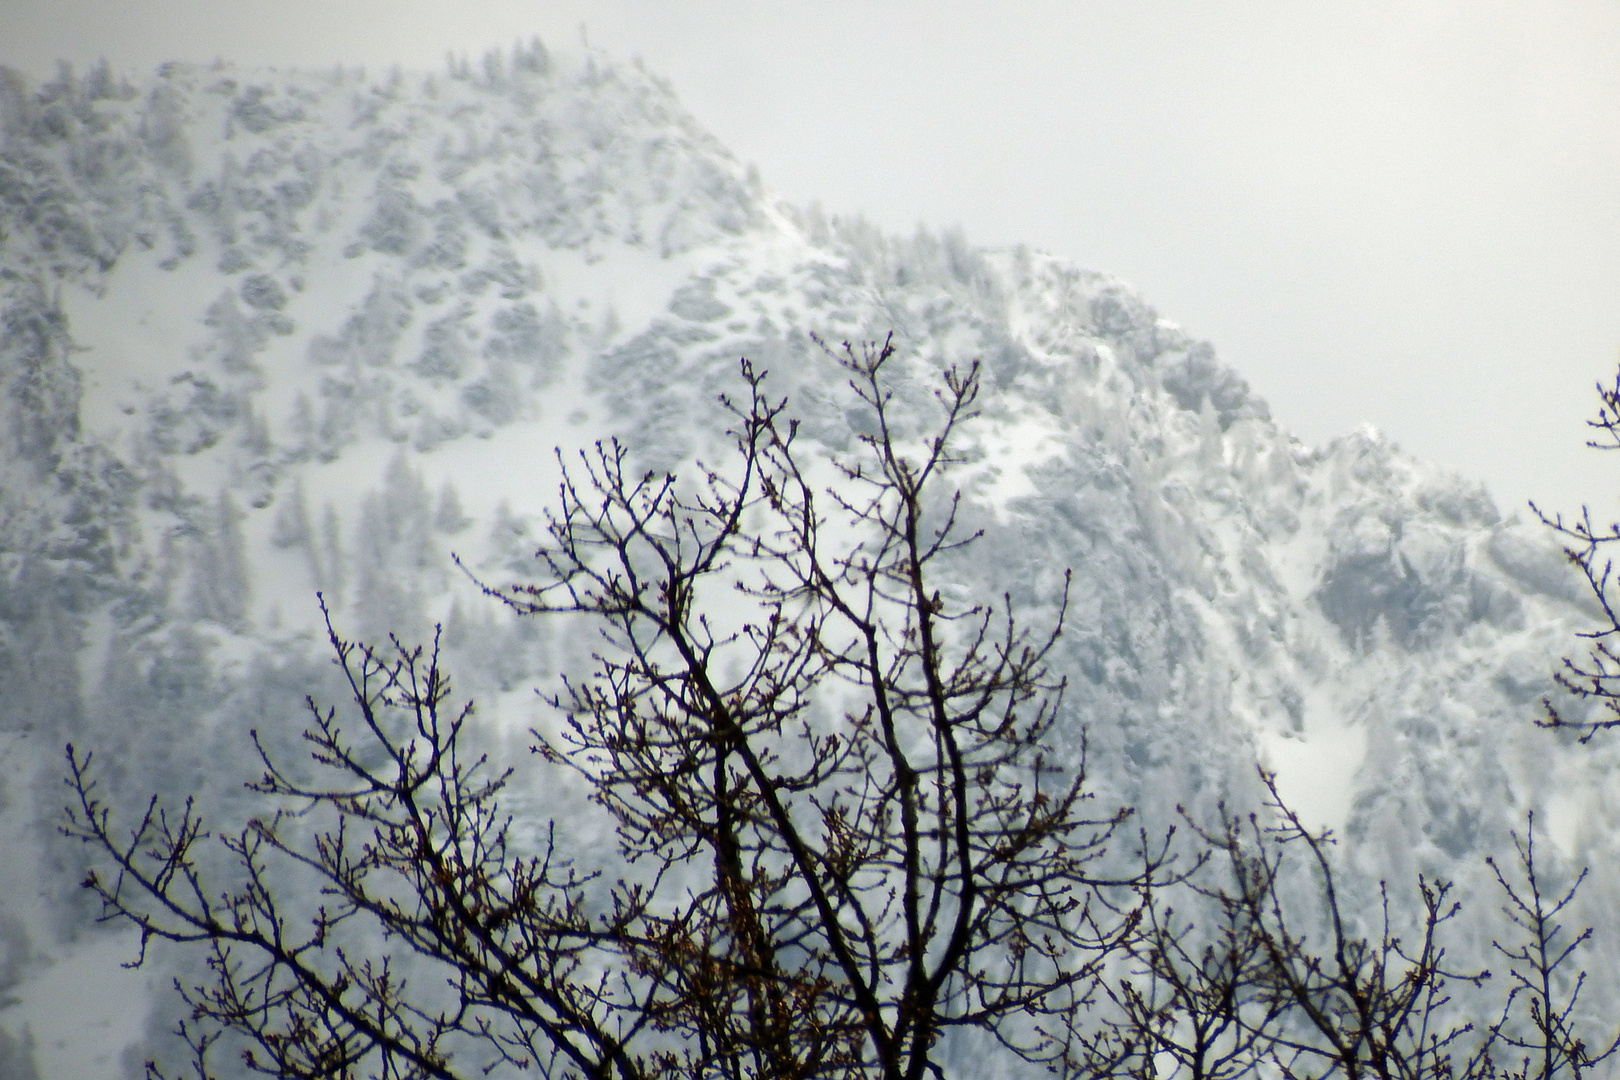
(1398,211)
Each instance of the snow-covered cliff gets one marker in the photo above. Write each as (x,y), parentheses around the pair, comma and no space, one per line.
(266,332)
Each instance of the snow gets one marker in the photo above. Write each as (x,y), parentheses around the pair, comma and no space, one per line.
(1316,768)
(1360,622)
(84,1010)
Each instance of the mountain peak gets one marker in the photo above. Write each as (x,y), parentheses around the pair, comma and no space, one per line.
(273,332)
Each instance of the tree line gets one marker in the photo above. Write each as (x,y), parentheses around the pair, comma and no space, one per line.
(842,846)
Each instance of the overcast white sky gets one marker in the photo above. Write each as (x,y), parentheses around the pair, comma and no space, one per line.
(1398,211)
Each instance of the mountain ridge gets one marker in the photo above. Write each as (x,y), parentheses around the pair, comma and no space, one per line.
(274,332)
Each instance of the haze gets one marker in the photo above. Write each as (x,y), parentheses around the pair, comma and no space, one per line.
(1403,213)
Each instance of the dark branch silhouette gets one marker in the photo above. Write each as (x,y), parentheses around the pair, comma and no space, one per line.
(840,836)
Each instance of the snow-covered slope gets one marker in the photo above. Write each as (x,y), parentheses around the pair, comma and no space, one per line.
(263,333)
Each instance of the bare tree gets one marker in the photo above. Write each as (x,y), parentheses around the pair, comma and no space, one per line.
(1595,677)
(1541,1016)
(1189,1003)
(843,848)
(1283,982)
(840,839)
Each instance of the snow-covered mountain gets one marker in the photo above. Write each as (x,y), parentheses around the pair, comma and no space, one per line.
(268,332)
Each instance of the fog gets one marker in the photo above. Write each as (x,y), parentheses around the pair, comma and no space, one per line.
(1398,213)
